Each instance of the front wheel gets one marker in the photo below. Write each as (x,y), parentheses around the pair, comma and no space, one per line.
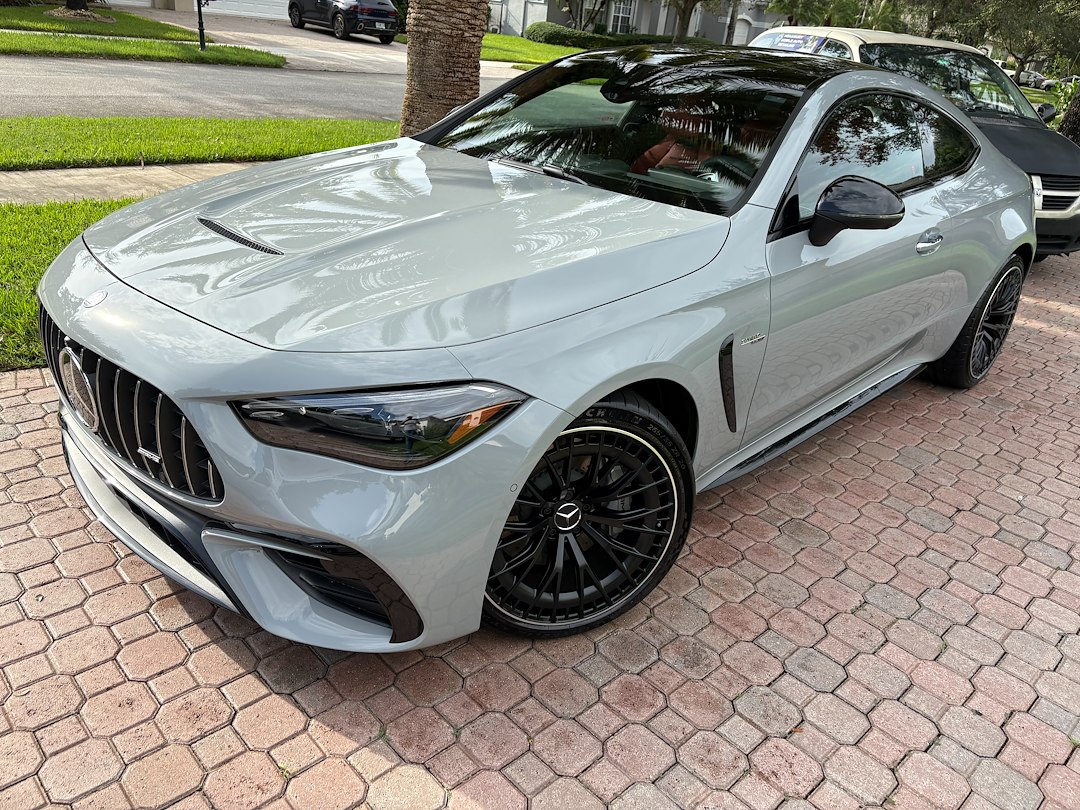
(981,340)
(386,39)
(295,18)
(597,525)
(341,31)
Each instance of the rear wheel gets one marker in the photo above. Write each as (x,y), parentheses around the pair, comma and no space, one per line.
(295,18)
(597,525)
(341,31)
(981,340)
(386,39)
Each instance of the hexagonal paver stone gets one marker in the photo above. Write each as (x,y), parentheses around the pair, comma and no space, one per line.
(420,734)
(567,747)
(494,740)
(1005,788)
(767,710)
(119,708)
(358,677)
(497,687)
(717,763)
(643,797)
(150,656)
(344,728)
(163,777)
(83,649)
(43,702)
(752,662)
(564,794)
(937,783)
(21,756)
(975,733)
(79,770)
(267,722)
(565,692)
(193,715)
(815,670)
(218,663)
(633,697)
(1061,785)
(863,777)
(329,785)
(628,651)
(836,718)
(20,640)
(291,669)
(701,704)
(487,789)
(245,782)
(428,682)
(406,787)
(791,771)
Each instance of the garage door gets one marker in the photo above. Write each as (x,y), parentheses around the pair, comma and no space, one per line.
(140,3)
(270,9)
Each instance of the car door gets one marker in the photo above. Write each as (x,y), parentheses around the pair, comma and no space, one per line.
(846,309)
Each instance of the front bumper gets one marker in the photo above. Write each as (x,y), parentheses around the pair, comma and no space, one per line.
(429,534)
(1056,234)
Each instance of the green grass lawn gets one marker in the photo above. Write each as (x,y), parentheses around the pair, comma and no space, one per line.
(31,236)
(506,48)
(57,142)
(1037,97)
(149,50)
(32,18)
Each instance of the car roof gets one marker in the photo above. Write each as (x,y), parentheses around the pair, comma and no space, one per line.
(860,36)
(766,64)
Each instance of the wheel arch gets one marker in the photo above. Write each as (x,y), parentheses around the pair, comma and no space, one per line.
(1026,252)
(673,400)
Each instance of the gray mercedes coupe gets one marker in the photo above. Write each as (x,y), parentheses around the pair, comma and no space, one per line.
(373,397)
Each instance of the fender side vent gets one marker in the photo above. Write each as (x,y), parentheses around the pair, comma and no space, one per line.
(239,238)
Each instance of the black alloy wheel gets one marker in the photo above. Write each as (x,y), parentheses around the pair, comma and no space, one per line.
(997,317)
(340,31)
(295,17)
(598,523)
(979,343)
(386,39)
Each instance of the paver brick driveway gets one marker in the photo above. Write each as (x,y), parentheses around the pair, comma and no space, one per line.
(886,615)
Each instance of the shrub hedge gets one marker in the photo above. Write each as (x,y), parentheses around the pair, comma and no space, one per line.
(551,33)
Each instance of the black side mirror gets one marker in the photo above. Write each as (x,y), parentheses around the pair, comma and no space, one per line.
(855,203)
(1047,112)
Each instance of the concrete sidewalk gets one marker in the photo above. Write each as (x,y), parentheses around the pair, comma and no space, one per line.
(111,183)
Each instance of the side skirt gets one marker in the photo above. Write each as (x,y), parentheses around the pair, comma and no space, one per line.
(816,426)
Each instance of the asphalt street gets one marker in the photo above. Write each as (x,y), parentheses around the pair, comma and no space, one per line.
(46,86)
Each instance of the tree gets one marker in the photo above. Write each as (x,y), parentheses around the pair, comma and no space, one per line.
(443,68)
(1070,122)
(76,5)
(585,13)
(800,12)
(684,10)
(733,17)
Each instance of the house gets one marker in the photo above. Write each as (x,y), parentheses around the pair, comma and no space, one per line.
(637,16)
(514,16)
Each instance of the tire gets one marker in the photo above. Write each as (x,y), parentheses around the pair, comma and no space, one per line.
(295,18)
(341,30)
(979,343)
(566,559)
(386,39)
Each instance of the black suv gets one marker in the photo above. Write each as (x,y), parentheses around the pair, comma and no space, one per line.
(376,18)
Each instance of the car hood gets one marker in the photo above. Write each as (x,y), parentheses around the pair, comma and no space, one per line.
(1031,145)
(398,245)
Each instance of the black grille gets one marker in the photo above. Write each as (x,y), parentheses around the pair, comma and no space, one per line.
(166,535)
(1057,183)
(229,233)
(344,592)
(137,423)
(1056,203)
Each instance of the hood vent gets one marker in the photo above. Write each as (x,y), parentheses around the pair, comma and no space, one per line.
(228,233)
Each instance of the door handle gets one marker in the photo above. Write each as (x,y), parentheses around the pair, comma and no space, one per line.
(929,242)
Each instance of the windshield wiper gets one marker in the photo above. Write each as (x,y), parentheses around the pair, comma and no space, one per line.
(562,174)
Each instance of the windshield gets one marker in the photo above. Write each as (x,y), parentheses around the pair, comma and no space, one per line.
(670,126)
(969,80)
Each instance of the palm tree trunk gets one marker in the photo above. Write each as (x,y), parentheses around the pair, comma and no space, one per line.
(443,69)
(77,5)
(683,12)
(733,18)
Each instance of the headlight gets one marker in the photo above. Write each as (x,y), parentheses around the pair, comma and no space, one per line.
(394,430)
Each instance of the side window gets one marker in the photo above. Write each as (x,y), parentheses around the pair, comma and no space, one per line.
(947,148)
(834,48)
(873,136)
